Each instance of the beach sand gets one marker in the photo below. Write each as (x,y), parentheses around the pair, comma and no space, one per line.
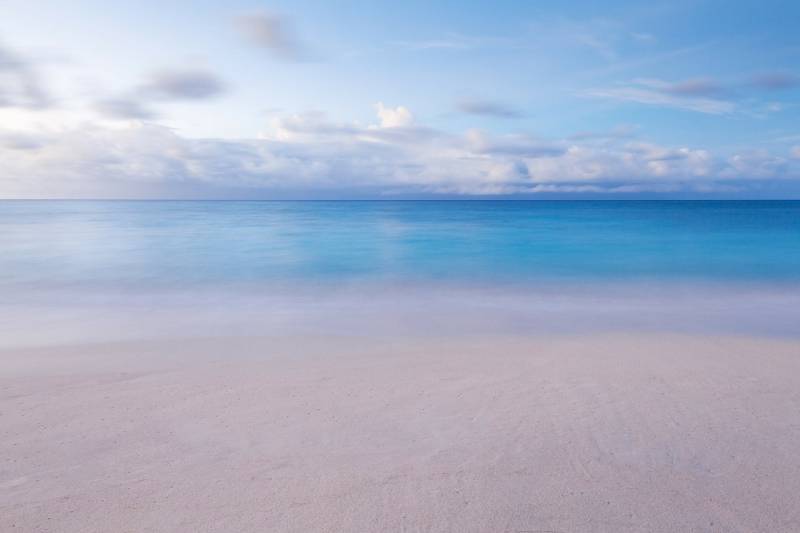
(577,433)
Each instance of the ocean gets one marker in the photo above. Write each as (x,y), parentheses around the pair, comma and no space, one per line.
(544,265)
(129,243)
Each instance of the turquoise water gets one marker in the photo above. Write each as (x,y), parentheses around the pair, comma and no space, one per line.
(87,271)
(164,243)
(54,242)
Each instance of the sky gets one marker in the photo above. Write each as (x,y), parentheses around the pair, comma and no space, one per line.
(413,99)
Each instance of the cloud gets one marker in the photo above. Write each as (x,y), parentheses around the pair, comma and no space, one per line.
(274,33)
(20,84)
(705,94)
(775,80)
(307,155)
(17,140)
(489,108)
(124,108)
(308,125)
(162,86)
(511,145)
(758,164)
(796,152)
(396,117)
(695,87)
(690,95)
(182,85)
(706,86)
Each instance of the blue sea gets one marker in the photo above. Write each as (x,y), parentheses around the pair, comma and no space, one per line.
(506,262)
(197,242)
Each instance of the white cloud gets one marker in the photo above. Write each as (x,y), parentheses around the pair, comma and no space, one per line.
(682,95)
(511,145)
(394,117)
(307,155)
(758,164)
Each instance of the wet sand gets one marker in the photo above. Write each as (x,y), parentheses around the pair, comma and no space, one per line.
(576,433)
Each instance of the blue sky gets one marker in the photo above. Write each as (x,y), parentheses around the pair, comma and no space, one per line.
(399,99)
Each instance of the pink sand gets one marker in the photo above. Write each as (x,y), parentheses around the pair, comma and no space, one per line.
(643,432)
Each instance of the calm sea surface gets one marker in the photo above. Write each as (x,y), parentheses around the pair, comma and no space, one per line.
(83,271)
(63,243)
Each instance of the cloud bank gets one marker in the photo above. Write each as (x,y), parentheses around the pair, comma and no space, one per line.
(308,155)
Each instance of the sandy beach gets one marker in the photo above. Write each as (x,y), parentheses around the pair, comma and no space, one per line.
(399,267)
(577,433)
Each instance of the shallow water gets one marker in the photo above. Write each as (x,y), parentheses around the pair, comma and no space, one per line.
(72,270)
(153,243)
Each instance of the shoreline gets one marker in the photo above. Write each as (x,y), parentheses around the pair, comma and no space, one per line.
(72,315)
